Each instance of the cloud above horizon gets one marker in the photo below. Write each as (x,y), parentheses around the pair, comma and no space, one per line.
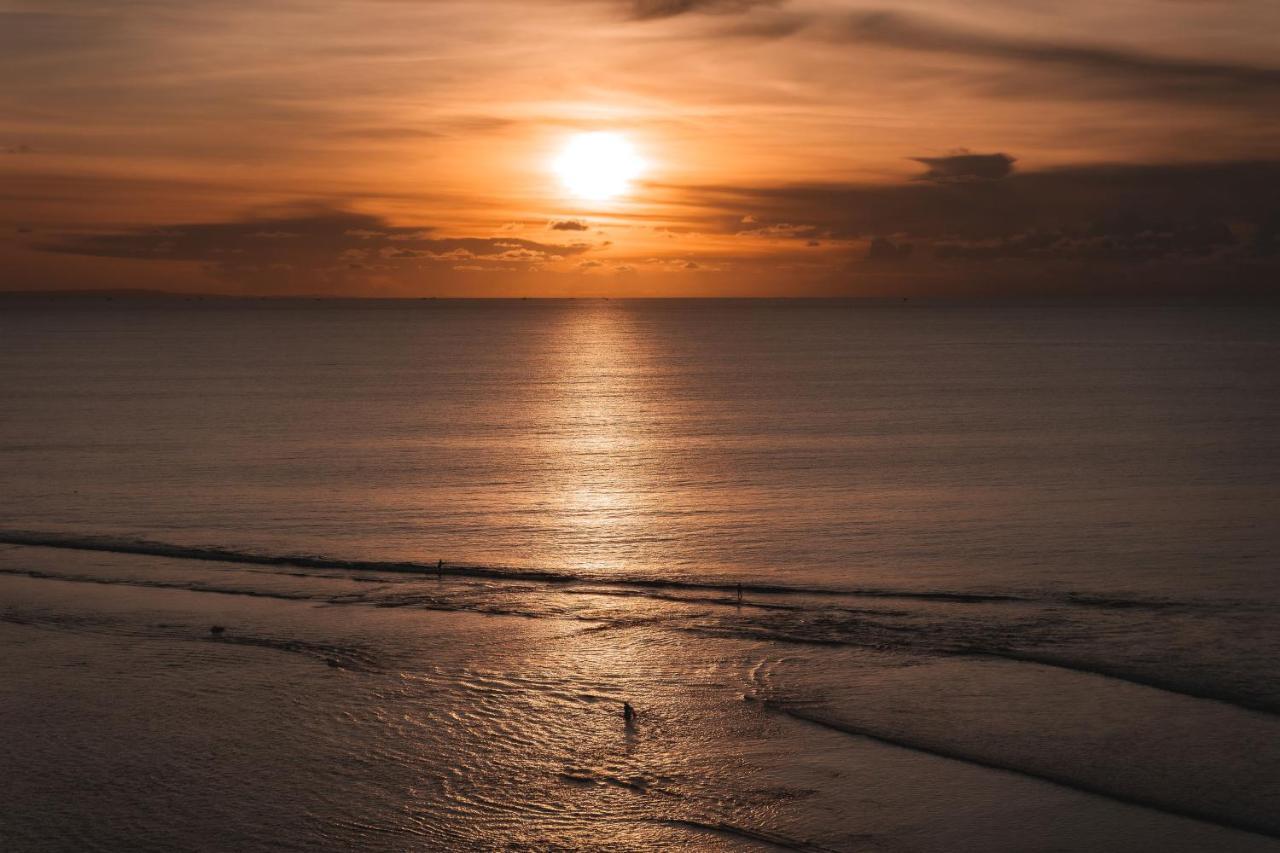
(569,225)
(966,167)
(1116,198)
(644,10)
(315,250)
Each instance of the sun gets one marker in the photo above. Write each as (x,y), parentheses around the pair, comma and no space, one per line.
(598,166)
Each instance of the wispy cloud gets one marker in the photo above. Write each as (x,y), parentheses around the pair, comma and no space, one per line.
(650,9)
(1095,69)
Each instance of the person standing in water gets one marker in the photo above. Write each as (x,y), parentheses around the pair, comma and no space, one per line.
(628,713)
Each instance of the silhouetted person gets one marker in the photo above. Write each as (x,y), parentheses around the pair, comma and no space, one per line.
(439,568)
(739,591)
(628,713)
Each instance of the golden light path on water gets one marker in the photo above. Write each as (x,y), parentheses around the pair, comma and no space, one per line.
(537,709)
(601,436)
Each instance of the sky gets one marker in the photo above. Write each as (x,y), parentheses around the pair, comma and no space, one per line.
(777,147)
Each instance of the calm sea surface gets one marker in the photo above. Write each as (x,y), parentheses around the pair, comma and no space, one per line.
(811,443)
(1002,539)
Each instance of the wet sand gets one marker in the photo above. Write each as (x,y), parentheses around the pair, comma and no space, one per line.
(361,719)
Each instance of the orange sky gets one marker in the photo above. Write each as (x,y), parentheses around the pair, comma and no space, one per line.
(405,147)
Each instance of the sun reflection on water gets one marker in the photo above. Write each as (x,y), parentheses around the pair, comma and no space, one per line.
(601,441)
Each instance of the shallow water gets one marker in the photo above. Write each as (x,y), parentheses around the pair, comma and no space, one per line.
(1009,576)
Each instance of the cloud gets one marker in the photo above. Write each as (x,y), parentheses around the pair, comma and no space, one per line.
(313,243)
(384,134)
(882,250)
(1095,70)
(778,230)
(644,10)
(966,167)
(45,33)
(443,126)
(568,225)
(1091,214)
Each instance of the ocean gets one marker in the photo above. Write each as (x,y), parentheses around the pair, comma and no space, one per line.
(899,576)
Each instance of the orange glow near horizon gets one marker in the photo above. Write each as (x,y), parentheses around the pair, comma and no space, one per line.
(637,148)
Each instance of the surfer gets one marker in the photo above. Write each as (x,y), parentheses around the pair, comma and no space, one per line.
(628,713)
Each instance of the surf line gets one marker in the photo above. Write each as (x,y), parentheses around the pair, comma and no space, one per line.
(1241,825)
(1115,673)
(151,548)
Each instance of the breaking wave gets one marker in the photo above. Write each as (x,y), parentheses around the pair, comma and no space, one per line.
(152,548)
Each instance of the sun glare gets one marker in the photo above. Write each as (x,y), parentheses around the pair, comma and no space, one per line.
(598,166)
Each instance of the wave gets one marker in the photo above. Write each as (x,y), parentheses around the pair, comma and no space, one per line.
(1255,825)
(800,625)
(334,655)
(1132,675)
(158,584)
(193,586)
(740,833)
(152,548)
(1243,699)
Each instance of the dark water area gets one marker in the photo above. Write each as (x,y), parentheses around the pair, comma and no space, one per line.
(878,576)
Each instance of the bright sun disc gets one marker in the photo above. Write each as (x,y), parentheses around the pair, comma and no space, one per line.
(598,165)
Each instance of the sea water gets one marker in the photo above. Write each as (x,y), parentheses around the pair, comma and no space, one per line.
(878,575)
